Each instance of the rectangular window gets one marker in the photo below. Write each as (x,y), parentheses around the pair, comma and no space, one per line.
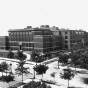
(26,36)
(66,41)
(76,32)
(30,44)
(27,44)
(71,32)
(73,41)
(66,37)
(17,36)
(59,32)
(71,37)
(65,32)
(66,46)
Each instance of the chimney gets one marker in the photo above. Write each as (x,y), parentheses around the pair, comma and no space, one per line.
(42,26)
(29,26)
(47,26)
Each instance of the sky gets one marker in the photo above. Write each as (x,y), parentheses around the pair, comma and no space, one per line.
(18,14)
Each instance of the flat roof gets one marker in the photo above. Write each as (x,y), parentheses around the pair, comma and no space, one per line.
(3,36)
(29,29)
(25,29)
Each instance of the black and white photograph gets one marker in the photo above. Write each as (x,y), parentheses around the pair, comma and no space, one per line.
(43,43)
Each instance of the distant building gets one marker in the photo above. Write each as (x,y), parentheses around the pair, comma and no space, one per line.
(41,39)
(72,37)
(45,38)
(4,42)
(86,36)
(57,38)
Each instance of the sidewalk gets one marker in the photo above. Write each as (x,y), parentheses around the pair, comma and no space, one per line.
(49,61)
(15,60)
(30,62)
(8,59)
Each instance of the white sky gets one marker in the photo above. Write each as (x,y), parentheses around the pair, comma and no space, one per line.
(15,14)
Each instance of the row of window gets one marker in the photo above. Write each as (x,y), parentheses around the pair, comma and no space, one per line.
(73,37)
(30,49)
(66,37)
(42,33)
(19,33)
(30,33)
(20,36)
(73,41)
(66,46)
(21,39)
(23,44)
(24,49)
(77,32)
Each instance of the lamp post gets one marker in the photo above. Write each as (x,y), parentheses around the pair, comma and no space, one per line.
(46,54)
(58,62)
(20,46)
(34,72)
(68,63)
(10,68)
(36,59)
(34,66)
(10,65)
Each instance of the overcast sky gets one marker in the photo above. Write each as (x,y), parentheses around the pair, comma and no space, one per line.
(17,14)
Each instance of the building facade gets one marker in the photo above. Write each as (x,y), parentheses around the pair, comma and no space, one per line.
(4,42)
(71,38)
(45,38)
(41,39)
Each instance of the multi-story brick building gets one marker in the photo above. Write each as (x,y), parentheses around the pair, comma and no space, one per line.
(45,38)
(42,39)
(72,37)
(4,42)
(57,38)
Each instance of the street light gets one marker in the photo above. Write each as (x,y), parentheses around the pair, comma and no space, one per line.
(36,59)
(58,62)
(10,67)
(34,66)
(34,72)
(20,45)
(69,61)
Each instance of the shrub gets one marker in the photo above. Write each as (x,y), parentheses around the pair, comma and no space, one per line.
(33,84)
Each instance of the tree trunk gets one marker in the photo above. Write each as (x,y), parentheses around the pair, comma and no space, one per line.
(58,64)
(6,73)
(75,67)
(86,85)
(11,66)
(54,79)
(9,84)
(2,73)
(20,47)
(22,76)
(42,77)
(68,83)
(34,74)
